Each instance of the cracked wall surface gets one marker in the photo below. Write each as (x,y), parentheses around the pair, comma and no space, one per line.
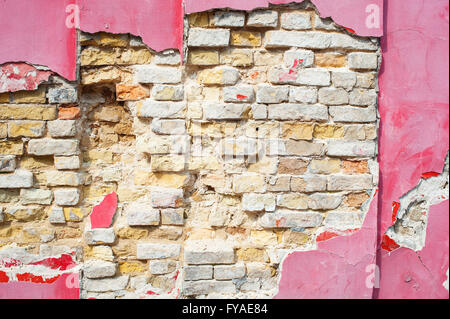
(262,143)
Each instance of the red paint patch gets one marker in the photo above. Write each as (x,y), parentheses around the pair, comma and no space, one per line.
(103,213)
(151,293)
(389,244)
(21,76)
(10,262)
(241,97)
(429,175)
(62,263)
(350,30)
(395,208)
(3,277)
(27,277)
(326,235)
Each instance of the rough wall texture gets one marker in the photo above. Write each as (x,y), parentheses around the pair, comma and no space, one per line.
(262,143)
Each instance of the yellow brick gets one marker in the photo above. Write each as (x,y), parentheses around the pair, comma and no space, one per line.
(245,39)
(199,19)
(166,94)
(211,93)
(325,166)
(3,130)
(107,74)
(297,131)
(295,238)
(263,238)
(93,56)
(251,255)
(37,96)
(73,214)
(131,233)
(330,60)
(160,179)
(26,129)
(130,195)
(11,148)
(237,57)
(209,77)
(329,131)
(99,191)
(203,57)
(113,40)
(36,162)
(27,214)
(4,97)
(27,112)
(101,156)
(132,268)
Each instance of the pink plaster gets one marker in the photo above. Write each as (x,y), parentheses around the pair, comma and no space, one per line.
(103,214)
(21,76)
(337,269)
(348,13)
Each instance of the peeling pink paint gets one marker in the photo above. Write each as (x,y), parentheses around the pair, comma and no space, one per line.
(103,214)
(21,76)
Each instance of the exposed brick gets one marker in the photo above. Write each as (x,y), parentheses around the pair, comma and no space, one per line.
(229,272)
(140,214)
(157,251)
(18,179)
(203,57)
(28,112)
(47,146)
(242,93)
(36,196)
(324,201)
(330,60)
(350,182)
(314,77)
(7,163)
(293,201)
(263,18)
(304,58)
(193,273)
(308,184)
(223,75)
(348,114)
(62,128)
(126,92)
(362,61)
(351,148)
(333,96)
(228,111)
(208,37)
(237,57)
(296,21)
(156,109)
(228,19)
(291,219)
(245,39)
(167,197)
(157,74)
(272,94)
(258,202)
(208,252)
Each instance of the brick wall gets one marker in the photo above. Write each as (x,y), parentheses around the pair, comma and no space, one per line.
(262,140)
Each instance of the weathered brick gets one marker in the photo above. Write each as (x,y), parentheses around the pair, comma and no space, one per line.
(3,130)
(72,214)
(157,74)
(36,196)
(355,167)
(324,24)
(291,219)
(104,39)
(170,216)
(293,166)
(199,37)
(203,57)
(228,111)
(168,57)
(325,166)
(346,80)
(326,131)
(245,39)
(293,201)
(223,75)
(347,114)
(67,162)
(59,178)
(228,19)
(199,19)
(350,182)
(173,127)
(47,146)
(56,216)
(162,267)
(27,112)
(258,202)
(352,148)
(362,61)
(67,196)
(69,113)
(156,109)
(208,252)
(303,95)
(107,284)
(343,220)
(263,18)
(36,96)
(7,163)
(366,80)
(314,77)
(296,21)
(203,287)
(272,94)
(18,179)
(248,183)
(194,273)
(99,236)
(96,56)
(267,58)
(158,251)
(304,148)
(95,269)
(308,184)
(259,111)
(324,201)
(297,131)
(229,272)
(61,128)
(356,199)
(300,57)
(330,60)
(333,96)
(241,93)
(24,214)
(167,197)
(140,214)
(168,92)
(174,163)
(4,97)
(363,97)
(62,95)
(126,92)
(279,184)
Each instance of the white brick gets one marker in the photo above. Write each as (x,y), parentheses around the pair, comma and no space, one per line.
(108,284)
(296,21)
(162,267)
(193,273)
(67,162)
(259,111)
(272,94)
(345,41)
(170,216)
(324,24)
(168,57)
(348,114)
(18,179)
(162,92)
(263,18)
(199,37)
(324,201)
(67,196)
(297,54)
(36,196)
(166,197)
(99,236)
(362,61)
(157,74)
(141,214)
(158,251)
(57,216)
(298,112)
(289,219)
(314,77)
(193,288)
(239,94)
(171,127)
(208,252)
(228,111)
(225,272)
(333,96)
(350,182)
(7,163)
(228,19)
(95,269)
(352,148)
(258,202)
(303,94)
(363,97)
(156,109)
(48,146)
(62,128)
(346,80)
